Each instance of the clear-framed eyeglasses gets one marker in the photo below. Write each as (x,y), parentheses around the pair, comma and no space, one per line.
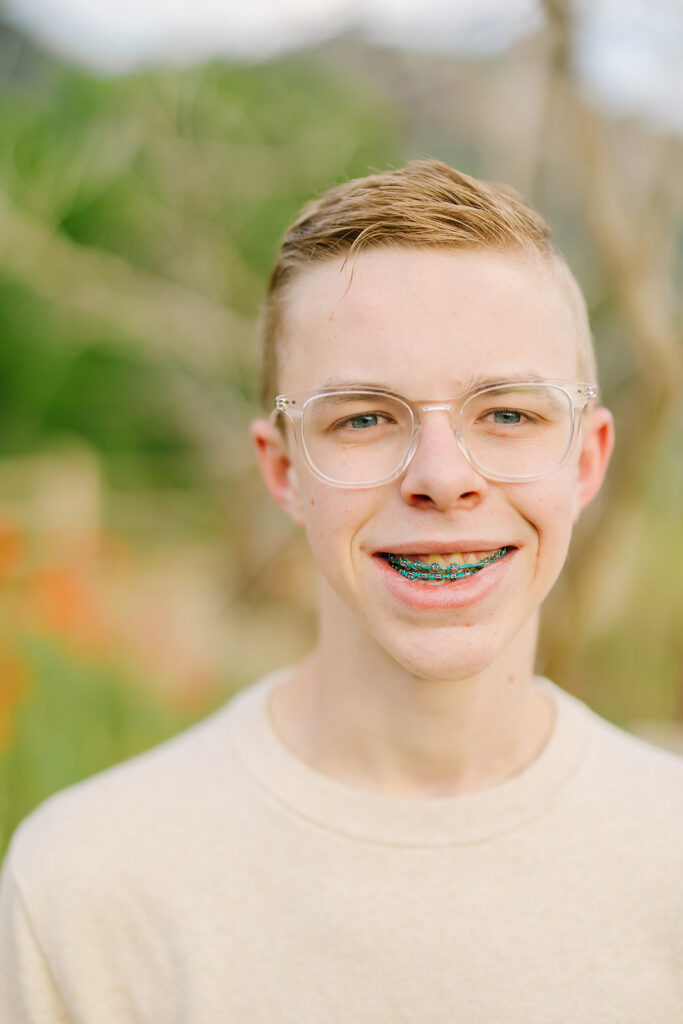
(366,436)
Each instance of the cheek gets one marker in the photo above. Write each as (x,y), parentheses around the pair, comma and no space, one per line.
(549,512)
(332,518)
(552,520)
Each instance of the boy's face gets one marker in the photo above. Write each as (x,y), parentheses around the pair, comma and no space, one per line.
(427,323)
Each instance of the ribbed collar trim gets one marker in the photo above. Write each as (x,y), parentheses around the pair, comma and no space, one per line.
(439,821)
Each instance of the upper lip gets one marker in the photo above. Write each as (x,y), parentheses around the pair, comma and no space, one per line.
(441,547)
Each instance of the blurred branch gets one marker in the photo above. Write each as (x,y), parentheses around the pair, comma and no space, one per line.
(165,319)
(643,298)
(623,247)
(215,419)
(214,168)
(623,242)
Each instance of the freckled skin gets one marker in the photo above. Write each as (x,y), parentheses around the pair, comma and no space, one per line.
(405,693)
(425,323)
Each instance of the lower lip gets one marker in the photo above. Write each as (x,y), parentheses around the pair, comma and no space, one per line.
(458,594)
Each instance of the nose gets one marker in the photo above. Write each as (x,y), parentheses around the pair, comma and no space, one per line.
(439,474)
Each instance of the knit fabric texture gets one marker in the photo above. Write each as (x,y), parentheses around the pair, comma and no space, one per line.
(219,879)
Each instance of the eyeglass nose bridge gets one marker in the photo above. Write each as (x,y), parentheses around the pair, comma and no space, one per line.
(436,407)
(417,433)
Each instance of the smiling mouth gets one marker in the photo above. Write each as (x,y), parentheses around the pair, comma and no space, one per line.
(435,570)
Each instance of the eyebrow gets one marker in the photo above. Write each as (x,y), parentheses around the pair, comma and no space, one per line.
(481,381)
(477,381)
(343,382)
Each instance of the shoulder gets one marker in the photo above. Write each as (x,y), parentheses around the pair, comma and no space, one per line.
(103,869)
(646,765)
(137,818)
(633,780)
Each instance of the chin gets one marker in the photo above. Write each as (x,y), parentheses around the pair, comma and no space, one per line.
(451,657)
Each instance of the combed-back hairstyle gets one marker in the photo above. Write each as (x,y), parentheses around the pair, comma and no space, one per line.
(427,205)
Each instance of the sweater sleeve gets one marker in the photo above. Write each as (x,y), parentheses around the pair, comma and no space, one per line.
(28,991)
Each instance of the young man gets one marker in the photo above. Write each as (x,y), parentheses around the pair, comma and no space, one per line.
(409,826)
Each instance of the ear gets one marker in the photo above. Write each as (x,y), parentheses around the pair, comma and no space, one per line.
(596,448)
(277,469)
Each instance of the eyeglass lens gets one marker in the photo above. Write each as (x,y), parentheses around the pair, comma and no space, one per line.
(517,430)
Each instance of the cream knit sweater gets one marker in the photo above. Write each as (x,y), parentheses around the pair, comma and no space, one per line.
(218,879)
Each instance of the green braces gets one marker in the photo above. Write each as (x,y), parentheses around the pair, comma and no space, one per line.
(434,571)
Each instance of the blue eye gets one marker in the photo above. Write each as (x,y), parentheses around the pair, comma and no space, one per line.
(371,422)
(507,417)
(368,419)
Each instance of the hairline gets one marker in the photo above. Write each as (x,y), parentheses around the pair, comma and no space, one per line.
(550,256)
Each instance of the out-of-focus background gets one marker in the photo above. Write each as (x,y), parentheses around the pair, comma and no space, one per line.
(151,155)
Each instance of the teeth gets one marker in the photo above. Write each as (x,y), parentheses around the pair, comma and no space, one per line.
(442,560)
(476,556)
(427,568)
(456,558)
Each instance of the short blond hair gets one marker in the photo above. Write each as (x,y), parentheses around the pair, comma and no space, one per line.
(425,205)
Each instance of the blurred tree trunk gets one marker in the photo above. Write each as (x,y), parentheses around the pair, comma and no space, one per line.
(631,252)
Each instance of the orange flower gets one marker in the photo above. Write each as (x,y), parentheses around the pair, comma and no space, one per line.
(14,686)
(11,546)
(67,603)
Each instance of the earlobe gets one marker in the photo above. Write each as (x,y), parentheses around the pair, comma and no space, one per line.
(596,449)
(277,469)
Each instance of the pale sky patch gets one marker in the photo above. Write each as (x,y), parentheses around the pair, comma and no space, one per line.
(628,50)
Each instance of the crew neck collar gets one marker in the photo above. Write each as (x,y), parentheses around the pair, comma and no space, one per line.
(436,821)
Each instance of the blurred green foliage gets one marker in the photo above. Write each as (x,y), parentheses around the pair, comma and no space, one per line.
(81,716)
(123,199)
(190,178)
(98,392)
(139,217)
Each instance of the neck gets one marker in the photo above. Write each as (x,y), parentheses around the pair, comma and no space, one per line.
(353,713)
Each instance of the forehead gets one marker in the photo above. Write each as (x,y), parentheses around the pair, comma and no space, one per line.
(426,322)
